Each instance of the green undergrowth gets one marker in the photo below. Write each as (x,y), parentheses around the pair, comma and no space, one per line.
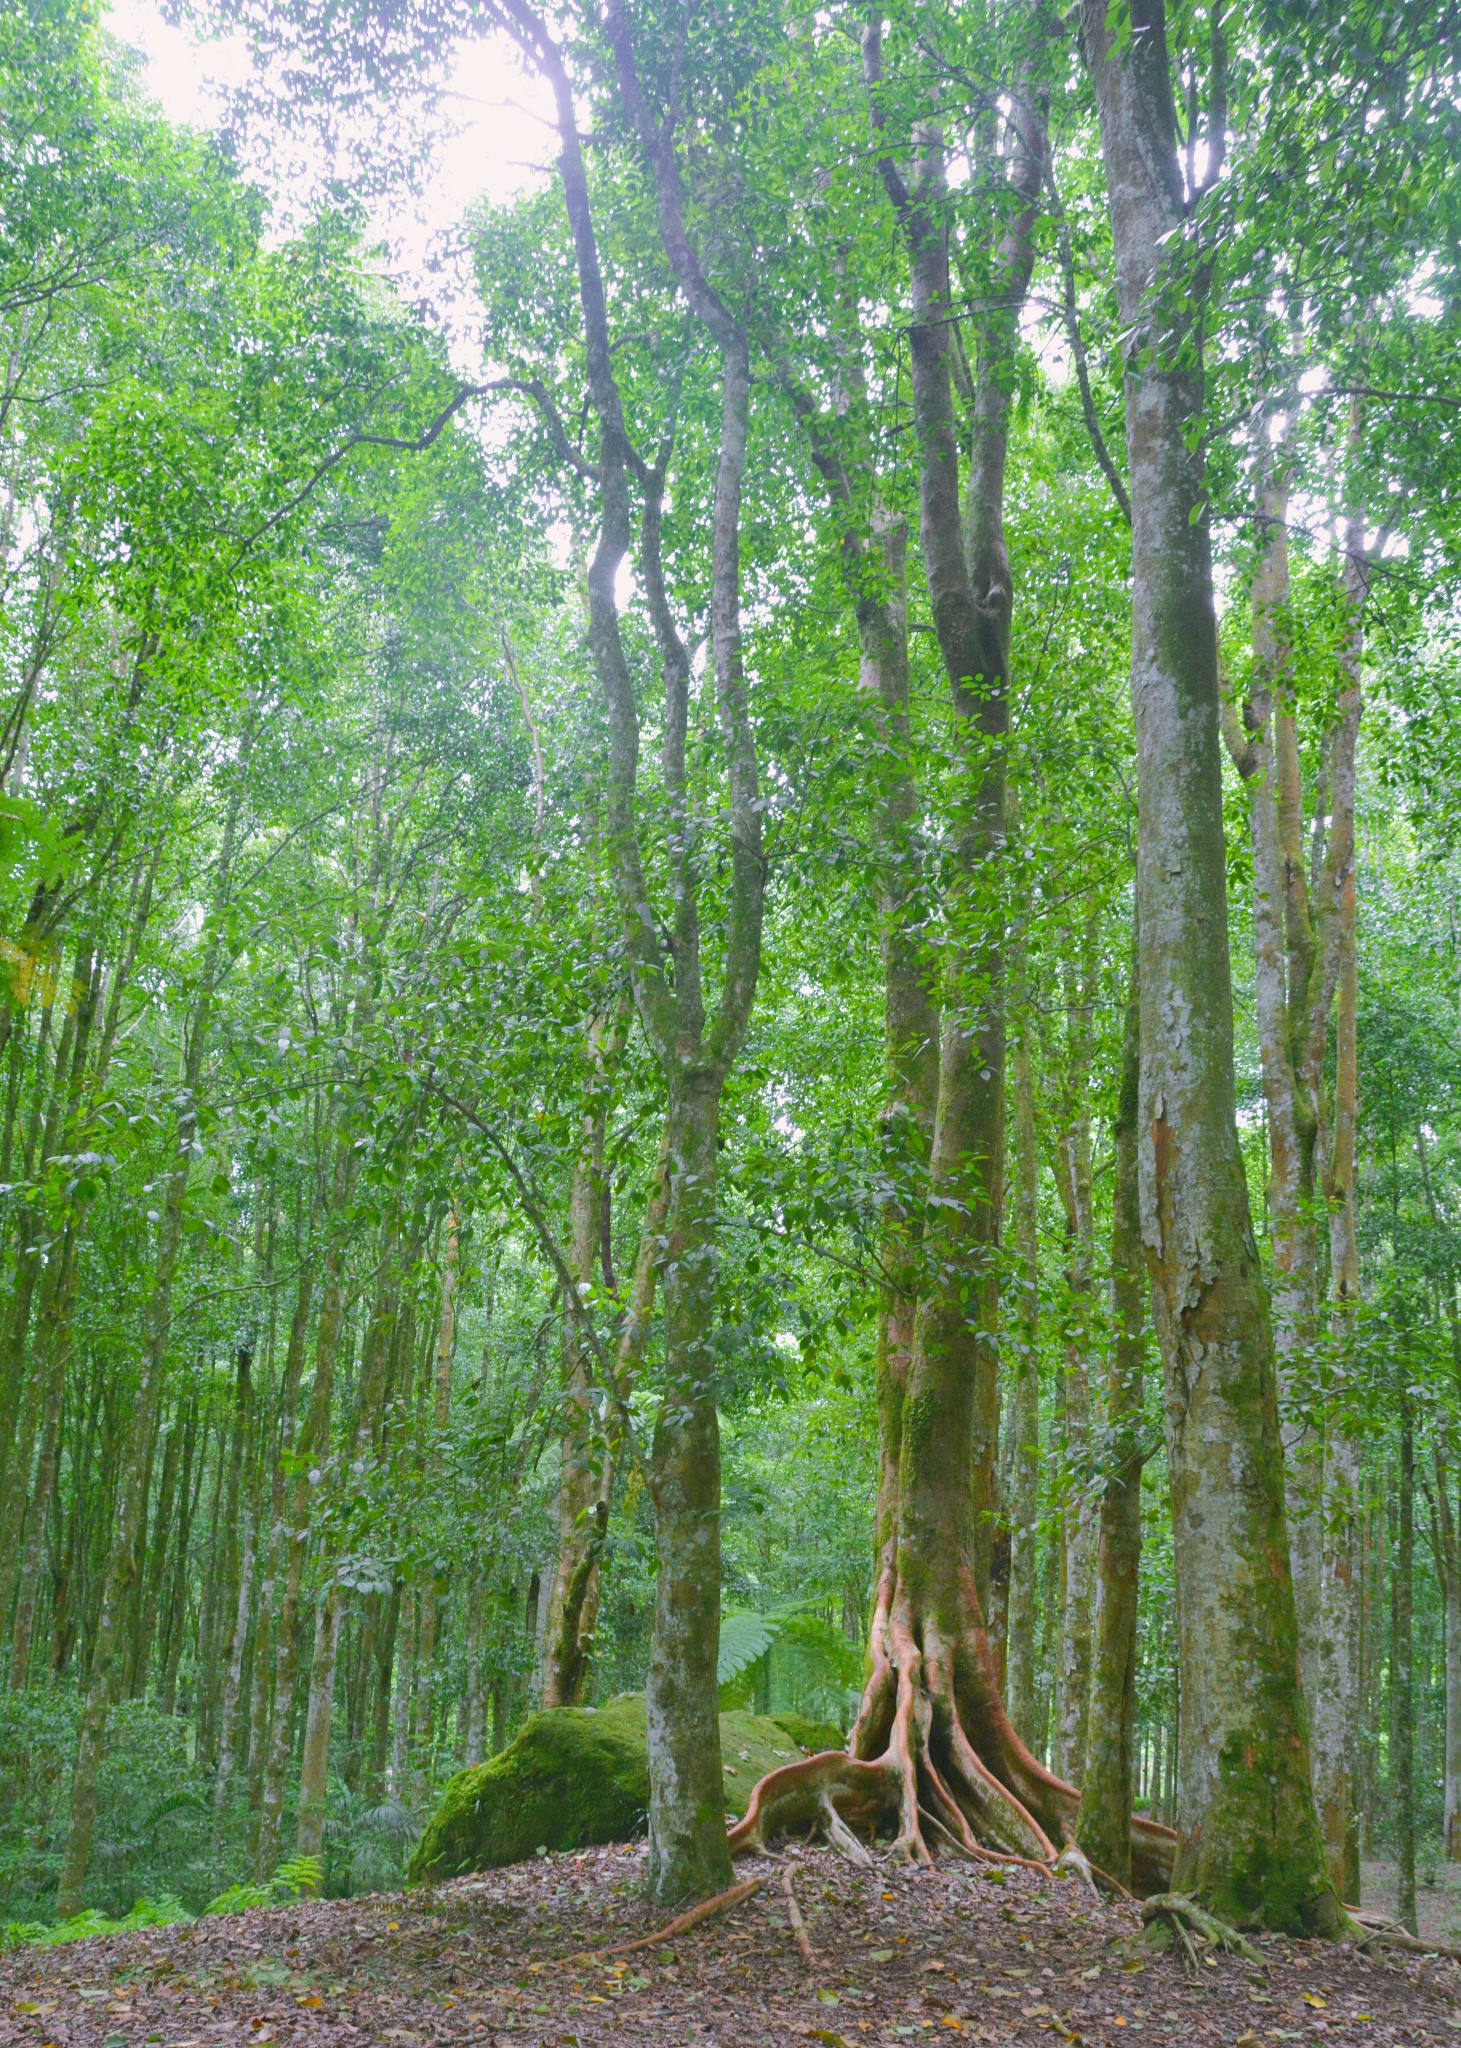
(290,1881)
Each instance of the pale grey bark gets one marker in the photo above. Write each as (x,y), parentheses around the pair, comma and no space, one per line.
(1250,1845)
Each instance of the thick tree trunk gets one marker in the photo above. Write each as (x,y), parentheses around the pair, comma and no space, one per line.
(1103,1827)
(1251,1847)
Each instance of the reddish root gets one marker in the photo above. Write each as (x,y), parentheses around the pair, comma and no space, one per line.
(933,1754)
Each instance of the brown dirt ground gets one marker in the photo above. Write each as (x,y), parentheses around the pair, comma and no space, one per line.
(900,1956)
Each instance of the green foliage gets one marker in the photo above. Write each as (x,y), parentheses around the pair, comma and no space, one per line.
(300,1877)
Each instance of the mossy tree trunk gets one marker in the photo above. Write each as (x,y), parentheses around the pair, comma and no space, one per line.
(1250,1843)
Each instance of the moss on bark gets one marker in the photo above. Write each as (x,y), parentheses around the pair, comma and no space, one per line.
(575,1776)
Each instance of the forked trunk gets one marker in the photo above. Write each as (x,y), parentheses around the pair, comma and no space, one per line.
(933,1756)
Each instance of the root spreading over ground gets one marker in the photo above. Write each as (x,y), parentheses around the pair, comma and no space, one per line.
(934,1761)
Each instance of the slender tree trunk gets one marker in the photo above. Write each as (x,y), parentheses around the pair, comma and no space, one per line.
(231,1722)
(687,1804)
(1079,1514)
(1250,1842)
(474,1730)
(55,1350)
(177,1586)
(313,1770)
(582,1498)
(1402,1668)
(374,1775)
(1449,1548)
(446,1345)
(1103,1826)
(1024,1409)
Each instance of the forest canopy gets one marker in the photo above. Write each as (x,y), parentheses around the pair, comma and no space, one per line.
(749,993)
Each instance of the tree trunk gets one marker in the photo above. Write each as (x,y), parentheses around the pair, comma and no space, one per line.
(583,1498)
(230,1720)
(1079,1512)
(474,1723)
(54,1348)
(309,1837)
(373,1776)
(1024,1407)
(446,1346)
(933,1748)
(1250,1843)
(688,1855)
(177,1583)
(1402,1669)
(1103,1826)
(1449,1557)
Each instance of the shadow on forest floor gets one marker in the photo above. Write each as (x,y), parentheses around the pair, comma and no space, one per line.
(897,1955)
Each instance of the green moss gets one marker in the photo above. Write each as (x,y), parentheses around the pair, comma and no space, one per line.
(574,1776)
(812,1736)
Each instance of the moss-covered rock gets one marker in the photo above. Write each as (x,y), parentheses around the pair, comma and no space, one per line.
(812,1736)
(574,1776)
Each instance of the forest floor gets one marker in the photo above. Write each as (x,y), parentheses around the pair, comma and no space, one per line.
(898,1955)
(1437,1898)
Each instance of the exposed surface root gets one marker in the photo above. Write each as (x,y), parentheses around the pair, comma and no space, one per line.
(1181,1914)
(798,1925)
(1380,1930)
(706,1910)
(934,1759)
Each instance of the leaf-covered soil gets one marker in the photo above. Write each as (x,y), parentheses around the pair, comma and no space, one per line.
(899,1955)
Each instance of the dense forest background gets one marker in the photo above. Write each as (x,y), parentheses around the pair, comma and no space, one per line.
(330,1137)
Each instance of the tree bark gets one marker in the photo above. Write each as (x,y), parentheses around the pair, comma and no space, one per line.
(123,1552)
(1024,1407)
(1250,1843)
(1079,1511)
(1103,1826)
(688,1854)
(1402,1664)
(933,1746)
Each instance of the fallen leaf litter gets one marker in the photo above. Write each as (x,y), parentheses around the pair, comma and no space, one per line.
(516,1957)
